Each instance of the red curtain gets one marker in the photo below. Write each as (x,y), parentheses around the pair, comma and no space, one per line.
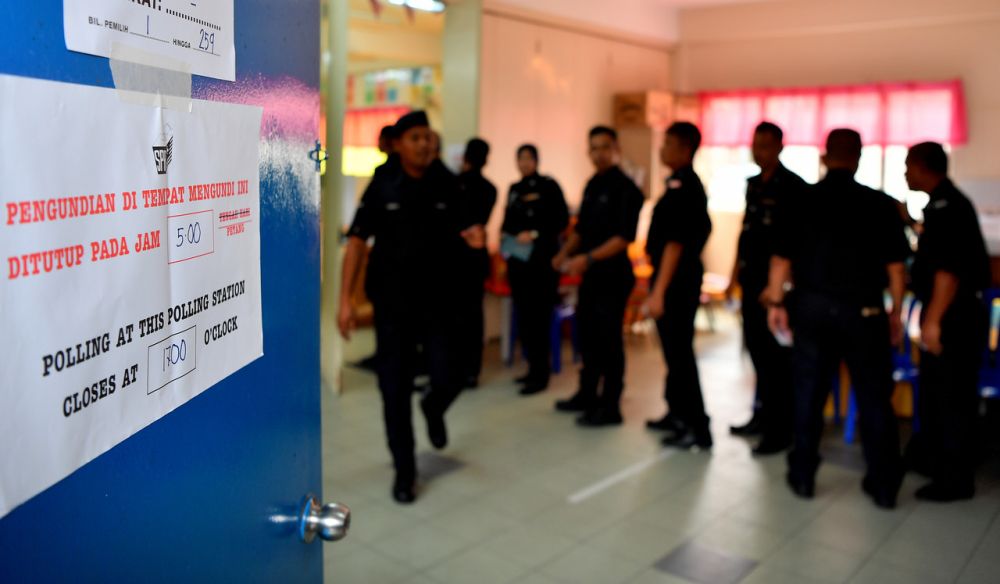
(884,114)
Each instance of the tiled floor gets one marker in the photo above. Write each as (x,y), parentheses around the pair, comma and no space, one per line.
(522,495)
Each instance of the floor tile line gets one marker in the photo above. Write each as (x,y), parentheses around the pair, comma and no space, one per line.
(618,477)
(885,539)
(979,545)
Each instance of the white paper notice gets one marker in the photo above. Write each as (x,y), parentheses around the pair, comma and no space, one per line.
(199,33)
(130,283)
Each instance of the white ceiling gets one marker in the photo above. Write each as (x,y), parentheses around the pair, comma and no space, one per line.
(652,19)
(696,3)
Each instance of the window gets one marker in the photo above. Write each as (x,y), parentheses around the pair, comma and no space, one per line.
(889,117)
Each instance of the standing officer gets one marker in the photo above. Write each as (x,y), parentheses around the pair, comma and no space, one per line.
(598,249)
(416,213)
(677,234)
(481,195)
(949,275)
(842,245)
(766,193)
(536,216)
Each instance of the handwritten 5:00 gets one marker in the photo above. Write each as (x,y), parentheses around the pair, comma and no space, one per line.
(190,234)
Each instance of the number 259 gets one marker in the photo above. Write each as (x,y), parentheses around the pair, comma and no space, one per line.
(207,41)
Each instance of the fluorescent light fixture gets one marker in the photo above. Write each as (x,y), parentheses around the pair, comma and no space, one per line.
(425,5)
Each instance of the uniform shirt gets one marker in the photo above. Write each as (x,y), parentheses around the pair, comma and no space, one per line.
(681,216)
(840,236)
(416,224)
(536,203)
(610,208)
(479,196)
(952,241)
(757,241)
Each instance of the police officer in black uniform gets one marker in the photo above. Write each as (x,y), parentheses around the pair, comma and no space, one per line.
(949,275)
(416,213)
(842,244)
(766,193)
(598,249)
(677,234)
(481,195)
(536,216)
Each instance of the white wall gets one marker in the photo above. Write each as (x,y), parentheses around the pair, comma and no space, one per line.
(549,86)
(818,42)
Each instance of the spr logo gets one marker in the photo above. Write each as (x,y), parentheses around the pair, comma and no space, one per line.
(162,155)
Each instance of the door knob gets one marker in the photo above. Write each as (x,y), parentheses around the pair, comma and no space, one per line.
(330,522)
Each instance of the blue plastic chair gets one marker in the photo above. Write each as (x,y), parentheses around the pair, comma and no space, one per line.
(989,373)
(564,313)
(561,314)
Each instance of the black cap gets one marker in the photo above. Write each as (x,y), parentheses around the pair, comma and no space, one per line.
(414,119)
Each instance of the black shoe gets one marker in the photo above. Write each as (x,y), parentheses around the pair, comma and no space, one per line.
(668,423)
(369,363)
(533,388)
(943,493)
(804,488)
(522,379)
(881,498)
(689,439)
(768,447)
(577,403)
(599,417)
(752,428)
(436,429)
(404,491)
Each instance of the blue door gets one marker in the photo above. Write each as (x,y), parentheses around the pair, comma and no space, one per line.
(212,491)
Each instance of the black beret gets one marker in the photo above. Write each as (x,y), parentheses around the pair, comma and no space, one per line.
(414,119)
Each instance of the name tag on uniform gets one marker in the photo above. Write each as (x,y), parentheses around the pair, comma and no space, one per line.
(531,197)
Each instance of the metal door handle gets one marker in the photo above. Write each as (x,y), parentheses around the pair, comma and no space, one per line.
(330,522)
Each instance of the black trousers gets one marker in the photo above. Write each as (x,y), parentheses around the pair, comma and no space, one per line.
(682,389)
(773,364)
(399,330)
(600,315)
(826,332)
(534,288)
(949,395)
(471,296)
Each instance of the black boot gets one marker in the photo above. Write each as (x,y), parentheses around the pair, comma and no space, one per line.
(578,403)
(404,489)
(599,417)
(801,486)
(689,438)
(437,432)
(752,428)
(668,423)
(937,492)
